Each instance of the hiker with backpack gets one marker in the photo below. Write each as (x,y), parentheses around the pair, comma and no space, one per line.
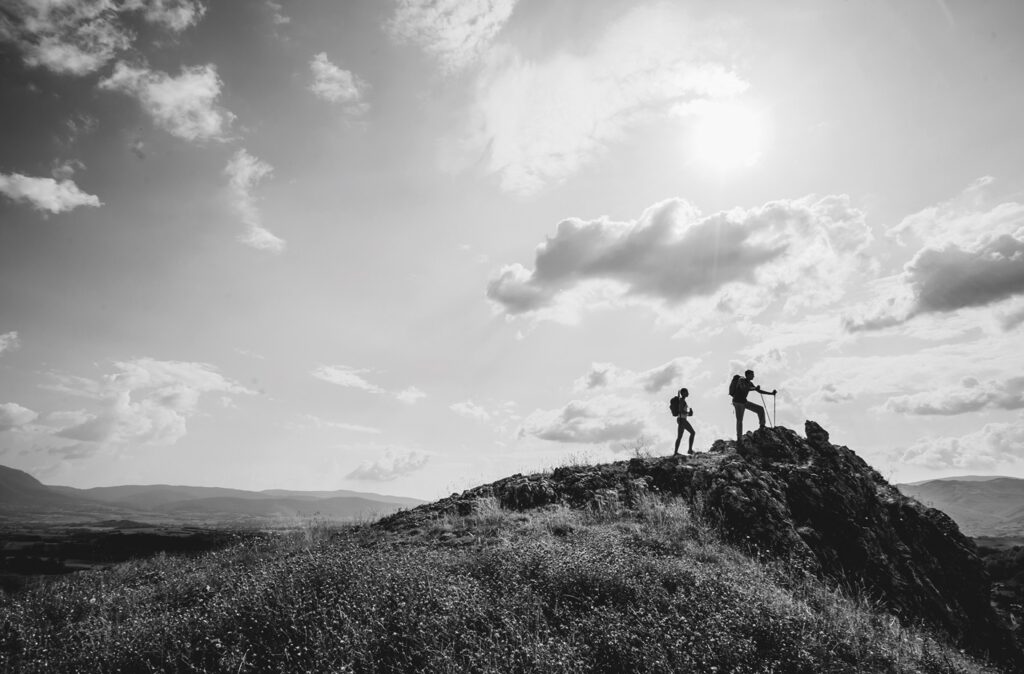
(739,387)
(680,410)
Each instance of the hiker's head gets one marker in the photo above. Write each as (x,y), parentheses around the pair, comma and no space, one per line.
(683,393)
(749,374)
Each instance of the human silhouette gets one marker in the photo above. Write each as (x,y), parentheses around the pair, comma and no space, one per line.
(738,389)
(682,421)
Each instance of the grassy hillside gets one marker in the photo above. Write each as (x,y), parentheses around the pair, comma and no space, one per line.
(612,589)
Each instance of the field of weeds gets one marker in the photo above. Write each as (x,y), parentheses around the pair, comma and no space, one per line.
(647,589)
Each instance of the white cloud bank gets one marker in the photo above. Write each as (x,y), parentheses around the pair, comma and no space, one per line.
(9,342)
(538,122)
(679,371)
(391,466)
(995,445)
(46,194)
(970,396)
(799,253)
(455,32)
(78,37)
(13,415)
(603,419)
(339,86)
(144,402)
(971,255)
(184,106)
(245,172)
(350,377)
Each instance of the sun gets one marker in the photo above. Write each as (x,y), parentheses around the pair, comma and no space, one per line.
(728,137)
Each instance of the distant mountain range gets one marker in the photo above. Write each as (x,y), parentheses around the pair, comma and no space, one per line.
(980,505)
(22,495)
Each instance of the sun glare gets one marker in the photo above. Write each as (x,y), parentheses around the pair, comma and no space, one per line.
(728,137)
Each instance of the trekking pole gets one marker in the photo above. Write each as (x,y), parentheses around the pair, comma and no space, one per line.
(774,415)
(764,406)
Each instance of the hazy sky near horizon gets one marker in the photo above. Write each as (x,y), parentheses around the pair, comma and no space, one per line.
(411,246)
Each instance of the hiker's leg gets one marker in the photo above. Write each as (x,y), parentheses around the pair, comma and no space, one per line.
(759,411)
(684,425)
(739,409)
(679,436)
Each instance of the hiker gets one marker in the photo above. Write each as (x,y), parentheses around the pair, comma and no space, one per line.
(738,389)
(681,411)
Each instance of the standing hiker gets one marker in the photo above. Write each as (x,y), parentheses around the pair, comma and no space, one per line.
(681,411)
(739,387)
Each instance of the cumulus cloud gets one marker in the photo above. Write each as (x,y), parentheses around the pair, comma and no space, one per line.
(77,37)
(337,85)
(470,410)
(538,122)
(9,342)
(184,106)
(970,396)
(597,420)
(971,255)
(410,395)
(245,173)
(13,415)
(994,445)
(455,32)
(46,194)
(391,466)
(144,402)
(799,252)
(677,371)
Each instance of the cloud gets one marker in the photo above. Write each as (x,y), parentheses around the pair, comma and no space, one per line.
(470,410)
(594,421)
(970,396)
(78,37)
(971,255)
(245,172)
(9,342)
(46,194)
(336,85)
(13,415)
(144,402)
(455,32)
(391,466)
(347,377)
(350,377)
(994,445)
(175,15)
(677,371)
(410,395)
(185,106)
(315,422)
(277,14)
(962,220)
(800,253)
(538,122)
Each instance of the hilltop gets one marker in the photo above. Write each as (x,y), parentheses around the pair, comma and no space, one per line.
(787,554)
(805,500)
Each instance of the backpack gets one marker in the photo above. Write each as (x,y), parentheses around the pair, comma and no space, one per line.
(673,406)
(734,386)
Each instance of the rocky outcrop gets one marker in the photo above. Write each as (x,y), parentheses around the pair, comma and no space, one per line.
(802,499)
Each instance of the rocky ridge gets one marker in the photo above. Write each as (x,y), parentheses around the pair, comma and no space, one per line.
(801,499)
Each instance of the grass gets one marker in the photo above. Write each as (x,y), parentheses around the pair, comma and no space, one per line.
(607,589)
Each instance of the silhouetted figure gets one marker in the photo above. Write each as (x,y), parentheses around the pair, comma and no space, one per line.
(738,389)
(681,410)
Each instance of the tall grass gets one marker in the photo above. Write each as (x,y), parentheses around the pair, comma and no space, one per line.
(608,589)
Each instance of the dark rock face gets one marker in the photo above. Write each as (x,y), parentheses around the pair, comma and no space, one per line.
(800,499)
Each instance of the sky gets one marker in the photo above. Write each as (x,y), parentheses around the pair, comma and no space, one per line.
(412,246)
